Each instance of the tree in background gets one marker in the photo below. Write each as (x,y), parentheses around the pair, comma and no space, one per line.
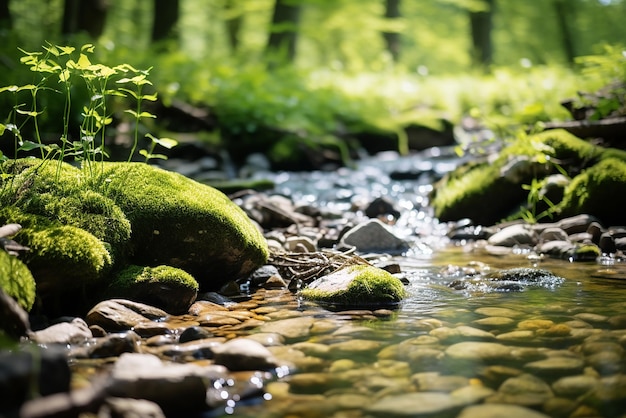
(392,38)
(284,29)
(84,16)
(233,20)
(6,22)
(565,13)
(481,25)
(166,13)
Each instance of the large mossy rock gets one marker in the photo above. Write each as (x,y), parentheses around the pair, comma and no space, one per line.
(600,191)
(356,286)
(83,226)
(495,189)
(179,222)
(16,280)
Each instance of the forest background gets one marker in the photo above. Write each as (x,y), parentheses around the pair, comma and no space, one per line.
(271,75)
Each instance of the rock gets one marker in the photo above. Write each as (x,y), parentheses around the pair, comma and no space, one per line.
(499,410)
(524,390)
(373,236)
(129,408)
(114,345)
(594,191)
(165,287)
(414,405)
(552,234)
(518,234)
(194,333)
(575,386)
(145,376)
(482,352)
(555,367)
(291,328)
(75,332)
(356,285)
(121,314)
(14,320)
(212,238)
(47,369)
(16,281)
(244,354)
(381,206)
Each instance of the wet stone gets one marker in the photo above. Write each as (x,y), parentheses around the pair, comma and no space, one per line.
(74,332)
(462,332)
(524,390)
(555,367)
(194,333)
(244,354)
(292,328)
(434,382)
(498,311)
(494,322)
(574,386)
(499,411)
(426,404)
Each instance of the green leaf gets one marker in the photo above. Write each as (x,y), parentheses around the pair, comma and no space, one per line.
(132,93)
(146,115)
(87,48)
(132,112)
(150,97)
(168,143)
(29,146)
(12,88)
(2,128)
(28,112)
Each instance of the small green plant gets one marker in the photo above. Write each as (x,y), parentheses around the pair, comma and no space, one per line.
(74,71)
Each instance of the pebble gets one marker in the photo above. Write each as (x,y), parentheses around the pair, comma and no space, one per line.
(499,411)
(420,404)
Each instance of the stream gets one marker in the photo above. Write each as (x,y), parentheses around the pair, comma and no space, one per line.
(545,348)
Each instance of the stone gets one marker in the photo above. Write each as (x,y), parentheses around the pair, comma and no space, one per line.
(373,236)
(518,234)
(121,314)
(165,287)
(194,333)
(47,367)
(244,354)
(14,320)
(291,328)
(126,407)
(75,332)
(476,351)
(414,405)
(574,386)
(555,367)
(114,345)
(145,376)
(523,390)
(491,410)
(356,286)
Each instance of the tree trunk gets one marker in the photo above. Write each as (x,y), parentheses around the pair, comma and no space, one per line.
(392,39)
(284,29)
(166,14)
(6,22)
(564,10)
(85,16)
(480,26)
(233,25)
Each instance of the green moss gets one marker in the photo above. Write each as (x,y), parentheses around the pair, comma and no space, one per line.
(557,144)
(168,288)
(16,280)
(367,285)
(159,274)
(600,191)
(165,208)
(478,193)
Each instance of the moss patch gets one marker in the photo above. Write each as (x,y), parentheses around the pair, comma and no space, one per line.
(600,191)
(179,222)
(357,285)
(165,287)
(16,280)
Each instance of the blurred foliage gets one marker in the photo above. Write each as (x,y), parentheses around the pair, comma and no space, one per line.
(344,80)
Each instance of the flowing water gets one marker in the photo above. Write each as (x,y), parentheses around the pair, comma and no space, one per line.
(554,347)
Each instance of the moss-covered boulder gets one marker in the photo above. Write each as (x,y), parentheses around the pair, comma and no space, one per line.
(179,222)
(16,280)
(492,190)
(600,191)
(165,287)
(356,286)
(83,226)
